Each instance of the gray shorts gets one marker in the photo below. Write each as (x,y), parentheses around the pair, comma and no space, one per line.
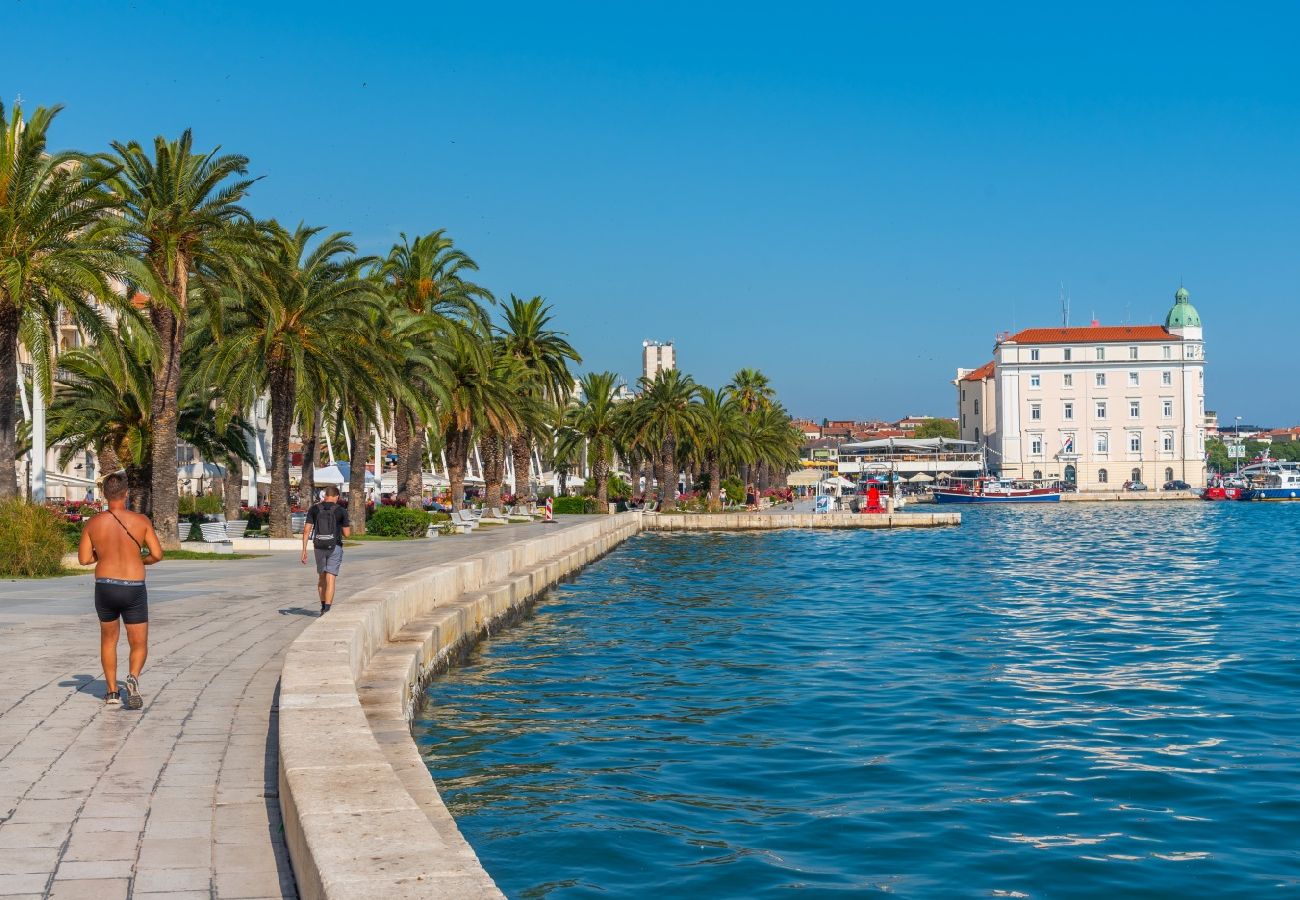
(328,561)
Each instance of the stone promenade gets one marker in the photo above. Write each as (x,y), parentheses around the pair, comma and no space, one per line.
(178,800)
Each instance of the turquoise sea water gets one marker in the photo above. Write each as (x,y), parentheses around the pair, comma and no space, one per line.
(1073,701)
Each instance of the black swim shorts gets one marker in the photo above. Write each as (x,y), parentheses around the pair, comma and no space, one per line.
(127,599)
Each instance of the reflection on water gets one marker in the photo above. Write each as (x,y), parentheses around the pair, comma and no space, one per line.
(1045,702)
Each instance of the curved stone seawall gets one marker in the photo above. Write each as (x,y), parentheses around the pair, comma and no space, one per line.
(362,816)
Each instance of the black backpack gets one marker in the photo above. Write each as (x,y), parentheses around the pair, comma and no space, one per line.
(325,535)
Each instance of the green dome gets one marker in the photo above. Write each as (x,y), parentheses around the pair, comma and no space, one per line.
(1183,314)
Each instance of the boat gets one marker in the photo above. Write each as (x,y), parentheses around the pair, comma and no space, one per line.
(1273,480)
(998,490)
(1220,488)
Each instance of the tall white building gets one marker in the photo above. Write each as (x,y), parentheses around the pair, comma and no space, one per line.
(657,357)
(1096,406)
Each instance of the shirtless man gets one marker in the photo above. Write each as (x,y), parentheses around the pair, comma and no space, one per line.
(115,541)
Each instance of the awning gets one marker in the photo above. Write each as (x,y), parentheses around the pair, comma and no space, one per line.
(803,479)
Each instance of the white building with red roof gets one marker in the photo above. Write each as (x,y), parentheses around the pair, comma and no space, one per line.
(1097,406)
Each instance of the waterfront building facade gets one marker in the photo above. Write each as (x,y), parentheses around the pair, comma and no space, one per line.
(1095,406)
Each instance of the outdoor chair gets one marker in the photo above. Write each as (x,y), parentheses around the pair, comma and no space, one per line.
(463,521)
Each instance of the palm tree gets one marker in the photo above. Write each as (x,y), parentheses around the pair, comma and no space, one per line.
(476,401)
(592,419)
(719,438)
(287,332)
(428,276)
(180,213)
(752,390)
(56,255)
(545,355)
(660,418)
(102,404)
(773,443)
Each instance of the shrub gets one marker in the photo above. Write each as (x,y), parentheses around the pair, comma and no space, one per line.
(398,521)
(33,541)
(575,505)
(735,490)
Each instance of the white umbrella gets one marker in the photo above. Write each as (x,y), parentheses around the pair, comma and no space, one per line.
(345,469)
(921,476)
(837,481)
(200,470)
(329,475)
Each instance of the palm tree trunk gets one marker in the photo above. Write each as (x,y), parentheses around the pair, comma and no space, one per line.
(8,400)
(137,485)
(231,485)
(414,451)
(402,437)
(493,448)
(163,412)
(600,470)
(457,454)
(282,398)
(715,485)
(106,460)
(357,477)
(522,447)
(668,487)
(310,459)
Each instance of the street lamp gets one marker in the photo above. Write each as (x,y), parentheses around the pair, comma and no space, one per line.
(1236,435)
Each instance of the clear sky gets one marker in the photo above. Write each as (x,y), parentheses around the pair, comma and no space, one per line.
(853,197)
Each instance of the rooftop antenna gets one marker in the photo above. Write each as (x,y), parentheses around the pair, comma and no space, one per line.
(1065,307)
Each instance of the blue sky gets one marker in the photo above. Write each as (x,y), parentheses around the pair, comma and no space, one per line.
(851,197)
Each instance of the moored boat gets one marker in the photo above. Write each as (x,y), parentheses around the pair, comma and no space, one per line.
(1273,480)
(1220,488)
(998,490)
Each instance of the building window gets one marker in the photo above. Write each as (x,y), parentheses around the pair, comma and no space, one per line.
(977,406)
(963,420)
(1132,379)
(1167,442)
(1101,409)
(977,432)
(1102,477)
(1036,446)
(1166,378)
(1168,352)
(1101,379)
(1103,442)
(1101,353)
(1035,380)
(1036,412)
(1135,475)
(1132,352)
(1068,354)
(1169,474)
(1167,409)
(1135,409)
(963,394)
(1135,442)
(1067,379)
(1038,474)
(1033,356)
(1067,411)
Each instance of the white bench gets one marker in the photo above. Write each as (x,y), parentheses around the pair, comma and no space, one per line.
(463,522)
(214,532)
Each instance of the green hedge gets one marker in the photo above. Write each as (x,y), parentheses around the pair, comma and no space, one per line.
(398,521)
(33,541)
(575,505)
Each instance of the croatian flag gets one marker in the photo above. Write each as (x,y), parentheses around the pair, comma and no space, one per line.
(1068,447)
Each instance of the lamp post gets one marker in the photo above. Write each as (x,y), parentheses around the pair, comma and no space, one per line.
(1236,435)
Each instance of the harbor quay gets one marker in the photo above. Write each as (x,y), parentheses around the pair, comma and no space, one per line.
(273,756)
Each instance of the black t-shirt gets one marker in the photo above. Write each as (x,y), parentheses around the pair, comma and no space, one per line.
(342,513)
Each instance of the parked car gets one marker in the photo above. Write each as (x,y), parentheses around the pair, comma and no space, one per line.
(1134,486)
(1177,486)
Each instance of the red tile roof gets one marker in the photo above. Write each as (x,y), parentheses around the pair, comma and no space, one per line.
(1097,334)
(979,374)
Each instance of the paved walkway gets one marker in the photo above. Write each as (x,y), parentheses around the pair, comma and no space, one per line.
(179,800)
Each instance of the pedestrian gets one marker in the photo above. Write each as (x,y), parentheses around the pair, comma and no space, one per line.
(120,543)
(326,526)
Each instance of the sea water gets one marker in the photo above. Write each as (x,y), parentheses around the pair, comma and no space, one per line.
(1093,700)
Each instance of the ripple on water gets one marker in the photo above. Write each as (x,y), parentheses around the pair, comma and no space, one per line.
(1042,703)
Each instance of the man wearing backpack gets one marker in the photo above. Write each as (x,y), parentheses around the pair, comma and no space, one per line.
(326,527)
